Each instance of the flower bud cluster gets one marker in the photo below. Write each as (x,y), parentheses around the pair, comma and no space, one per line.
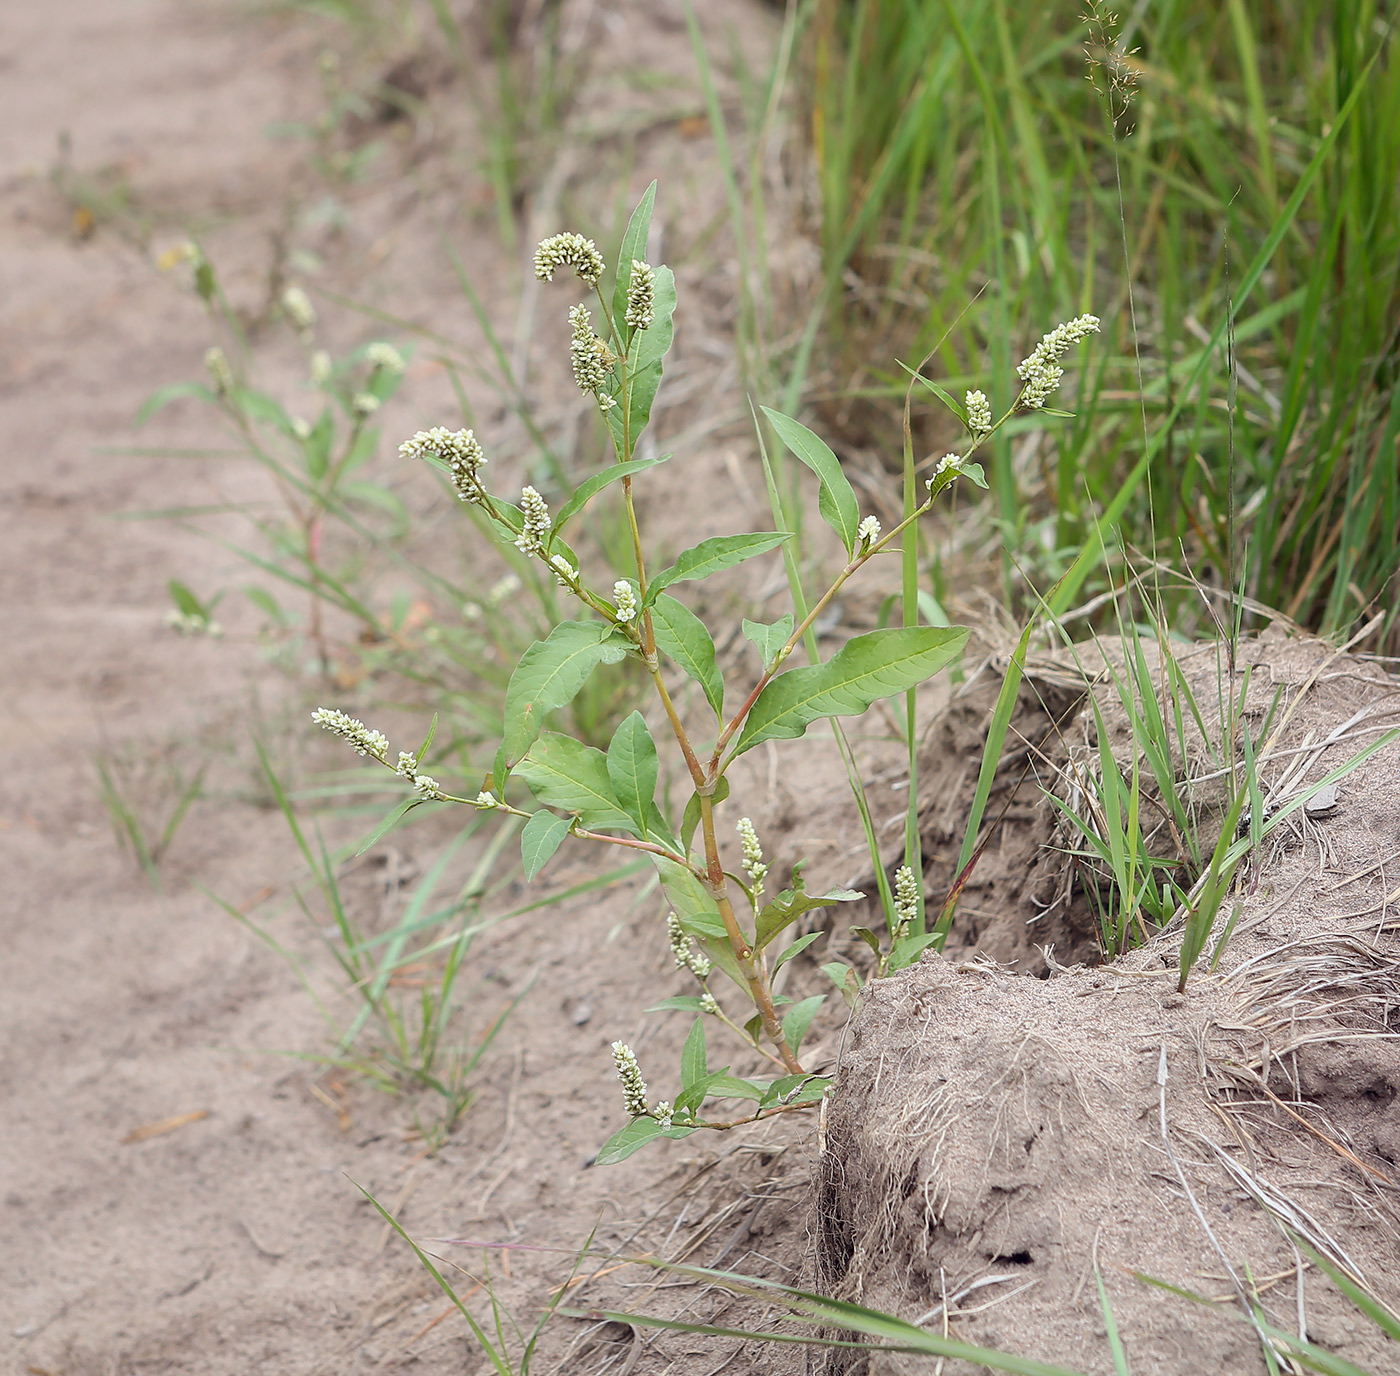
(458,449)
(683,949)
(569,251)
(626,599)
(1041,371)
(591,358)
(534,534)
(385,357)
(979,415)
(906,901)
(641,295)
(299,310)
(216,362)
(868,531)
(425,785)
(354,731)
(634,1088)
(364,404)
(754,867)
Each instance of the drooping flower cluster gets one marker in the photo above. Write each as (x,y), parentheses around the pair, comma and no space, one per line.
(535,532)
(634,1088)
(354,731)
(683,949)
(458,449)
(216,362)
(906,901)
(626,599)
(754,867)
(641,296)
(979,415)
(591,358)
(1041,371)
(384,356)
(868,531)
(569,251)
(425,785)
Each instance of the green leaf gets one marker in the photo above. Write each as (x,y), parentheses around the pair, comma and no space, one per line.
(769,639)
(798,1019)
(731,1087)
(632,768)
(867,936)
(844,978)
(710,556)
(693,906)
(395,816)
(539,840)
(162,398)
(876,665)
(550,674)
(185,600)
(693,1063)
(573,777)
(795,949)
(789,905)
(587,490)
(260,406)
(837,501)
(632,1138)
(681,1003)
(681,635)
(649,348)
(951,402)
(634,245)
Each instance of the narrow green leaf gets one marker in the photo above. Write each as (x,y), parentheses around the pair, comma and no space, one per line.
(647,350)
(710,556)
(682,636)
(632,768)
(162,398)
(876,665)
(550,674)
(681,1003)
(694,1065)
(798,1019)
(837,500)
(540,838)
(950,401)
(731,1087)
(185,600)
(693,906)
(632,1138)
(784,910)
(634,245)
(396,815)
(591,487)
(795,949)
(769,639)
(573,777)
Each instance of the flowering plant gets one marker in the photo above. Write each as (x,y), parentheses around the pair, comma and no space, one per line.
(719,922)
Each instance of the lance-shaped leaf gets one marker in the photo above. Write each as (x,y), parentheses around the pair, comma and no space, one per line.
(699,917)
(551,672)
(632,768)
(683,636)
(788,906)
(539,840)
(573,777)
(836,501)
(634,245)
(869,667)
(694,1063)
(710,556)
(591,487)
(645,354)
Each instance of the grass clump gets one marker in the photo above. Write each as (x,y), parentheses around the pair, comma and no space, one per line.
(960,151)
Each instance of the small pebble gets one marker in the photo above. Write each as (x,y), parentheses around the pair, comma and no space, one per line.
(581,1014)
